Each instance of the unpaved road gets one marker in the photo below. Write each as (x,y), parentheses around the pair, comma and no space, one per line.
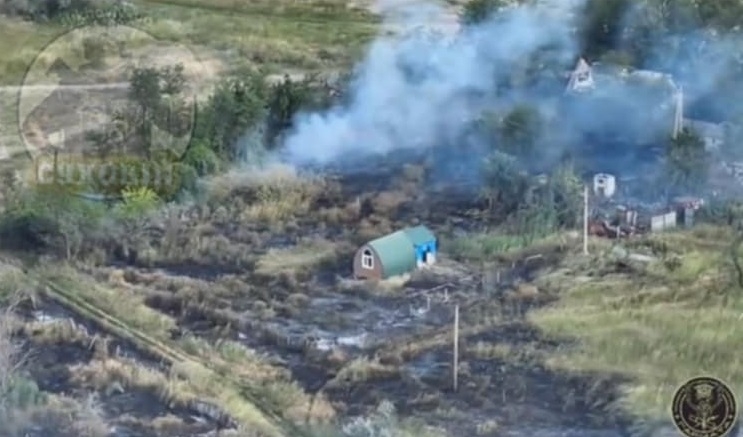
(98,86)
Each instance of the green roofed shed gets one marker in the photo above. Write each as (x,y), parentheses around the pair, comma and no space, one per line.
(419,235)
(396,254)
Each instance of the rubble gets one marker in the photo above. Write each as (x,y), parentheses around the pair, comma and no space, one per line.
(617,216)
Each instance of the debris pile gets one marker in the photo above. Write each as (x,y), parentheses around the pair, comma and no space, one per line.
(611,217)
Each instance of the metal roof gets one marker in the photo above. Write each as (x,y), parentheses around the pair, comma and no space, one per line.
(396,251)
(420,235)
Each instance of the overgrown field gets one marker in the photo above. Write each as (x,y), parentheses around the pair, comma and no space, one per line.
(224,37)
(279,36)
(656,322)
(256,277)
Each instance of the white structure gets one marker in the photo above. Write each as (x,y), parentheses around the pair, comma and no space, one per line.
(604,185)
(581,79)
(663,221)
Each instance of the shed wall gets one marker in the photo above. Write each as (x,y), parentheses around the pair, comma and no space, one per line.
(663,221)
(360,272)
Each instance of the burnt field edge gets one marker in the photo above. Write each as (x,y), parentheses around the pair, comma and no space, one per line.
(268,421)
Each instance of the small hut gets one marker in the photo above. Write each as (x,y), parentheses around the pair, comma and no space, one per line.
(396,254)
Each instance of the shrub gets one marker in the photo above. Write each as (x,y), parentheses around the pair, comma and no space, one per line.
(138,201)
(202,159)
(73,12)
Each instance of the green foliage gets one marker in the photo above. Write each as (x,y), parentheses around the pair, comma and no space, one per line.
(157,101)
(687,162)
(115,14)
(504,183)
(245,104)
(236,106)
(187,178)
(202,159)
(73,13)
(286,99)
(50,217)
(602,25)
(138,201)
(21,393)
(520,131)
(478,11)
(482,247)
(634,26)
(531,207)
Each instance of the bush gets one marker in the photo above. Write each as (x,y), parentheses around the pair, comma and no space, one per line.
(202,159)
(72,12)
(21,393)
(138,201)
(478,11)
(51,218)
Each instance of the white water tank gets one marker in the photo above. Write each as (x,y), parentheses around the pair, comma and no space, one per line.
(604,185)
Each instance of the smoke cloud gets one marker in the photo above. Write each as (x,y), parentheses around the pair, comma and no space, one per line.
(419,89)
(416,89)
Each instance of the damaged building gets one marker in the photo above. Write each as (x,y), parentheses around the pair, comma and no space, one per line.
(631,106)
(616,217)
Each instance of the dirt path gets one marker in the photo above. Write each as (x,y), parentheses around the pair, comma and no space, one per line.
(101,86)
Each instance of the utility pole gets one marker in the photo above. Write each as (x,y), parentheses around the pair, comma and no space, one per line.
(455,364)
(585,220)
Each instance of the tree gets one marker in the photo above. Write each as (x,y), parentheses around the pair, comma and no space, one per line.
(478,11)
(603,22)
(237,106)
(202,159)
(566,189)
(520,131)
(157,102)
(504,184)
(145,93)
(687,162)
(285,100)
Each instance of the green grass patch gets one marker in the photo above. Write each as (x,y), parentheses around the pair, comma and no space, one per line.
(20,43)
(278,36)
(659,324)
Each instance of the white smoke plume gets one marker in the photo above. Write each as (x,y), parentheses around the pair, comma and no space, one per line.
(415,89)
(418,89)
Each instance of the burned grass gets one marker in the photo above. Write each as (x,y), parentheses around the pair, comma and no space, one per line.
(86,384)
(266,298)
(279,311)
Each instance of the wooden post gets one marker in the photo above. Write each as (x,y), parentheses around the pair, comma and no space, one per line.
(455,366)
(585,220)
(56,165)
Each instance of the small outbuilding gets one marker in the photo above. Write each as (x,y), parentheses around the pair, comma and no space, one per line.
(396,254)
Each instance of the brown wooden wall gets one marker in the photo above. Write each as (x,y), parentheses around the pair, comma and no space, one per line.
(362,273)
